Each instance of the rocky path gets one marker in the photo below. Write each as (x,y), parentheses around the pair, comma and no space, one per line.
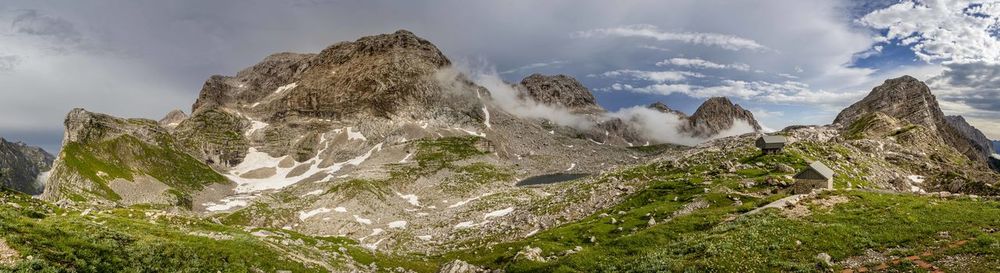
(918,260)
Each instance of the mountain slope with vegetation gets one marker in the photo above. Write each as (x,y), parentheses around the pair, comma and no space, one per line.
(376,156)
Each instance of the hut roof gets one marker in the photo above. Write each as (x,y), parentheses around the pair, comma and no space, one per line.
(774,139)
(819,168)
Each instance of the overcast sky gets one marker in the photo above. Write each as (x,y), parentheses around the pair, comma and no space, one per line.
(790,62)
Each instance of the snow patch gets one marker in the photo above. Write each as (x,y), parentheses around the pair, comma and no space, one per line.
(410,198)
(466,201)
(916,179)
(486,115)
(229,202)
(498,213)
(425,237)
(255,126)
(352,135)
(315,192)
(256,160)
(362,220)
(303,215)
(474,133)
(373,246)
(571,167)
(464,225)
(340,209)
(286,87)
(397,224)
(407,158)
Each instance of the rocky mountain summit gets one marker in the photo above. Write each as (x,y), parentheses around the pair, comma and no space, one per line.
(716,115)
(21,165)
(911,102)
(560,90)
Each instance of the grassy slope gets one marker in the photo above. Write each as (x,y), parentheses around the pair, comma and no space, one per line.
(125,240)
(126,156)
(717,238)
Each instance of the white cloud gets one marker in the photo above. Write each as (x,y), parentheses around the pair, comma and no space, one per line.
(949,31)
(700,63)
(729,42)
(653,76)
(788,92)
(534,66)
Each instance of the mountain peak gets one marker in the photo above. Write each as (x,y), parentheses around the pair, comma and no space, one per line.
(559,90)
(401,40)
(718,114)
(173,118)
(905,98)
(375,75)
(910,100)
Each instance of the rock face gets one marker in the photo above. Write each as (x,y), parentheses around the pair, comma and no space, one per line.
(717,115)
(381,75)
(968,131)
(21,165)
(910,100)
(559,90)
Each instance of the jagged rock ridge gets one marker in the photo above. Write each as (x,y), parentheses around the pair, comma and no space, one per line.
(21,165)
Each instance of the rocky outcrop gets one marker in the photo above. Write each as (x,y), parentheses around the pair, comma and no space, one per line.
(102,154)
(911,101)
(716,115)
(21,165)
(459,266)
(560,90)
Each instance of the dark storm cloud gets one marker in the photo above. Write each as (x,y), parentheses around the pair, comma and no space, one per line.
(32,22)
(979,85)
